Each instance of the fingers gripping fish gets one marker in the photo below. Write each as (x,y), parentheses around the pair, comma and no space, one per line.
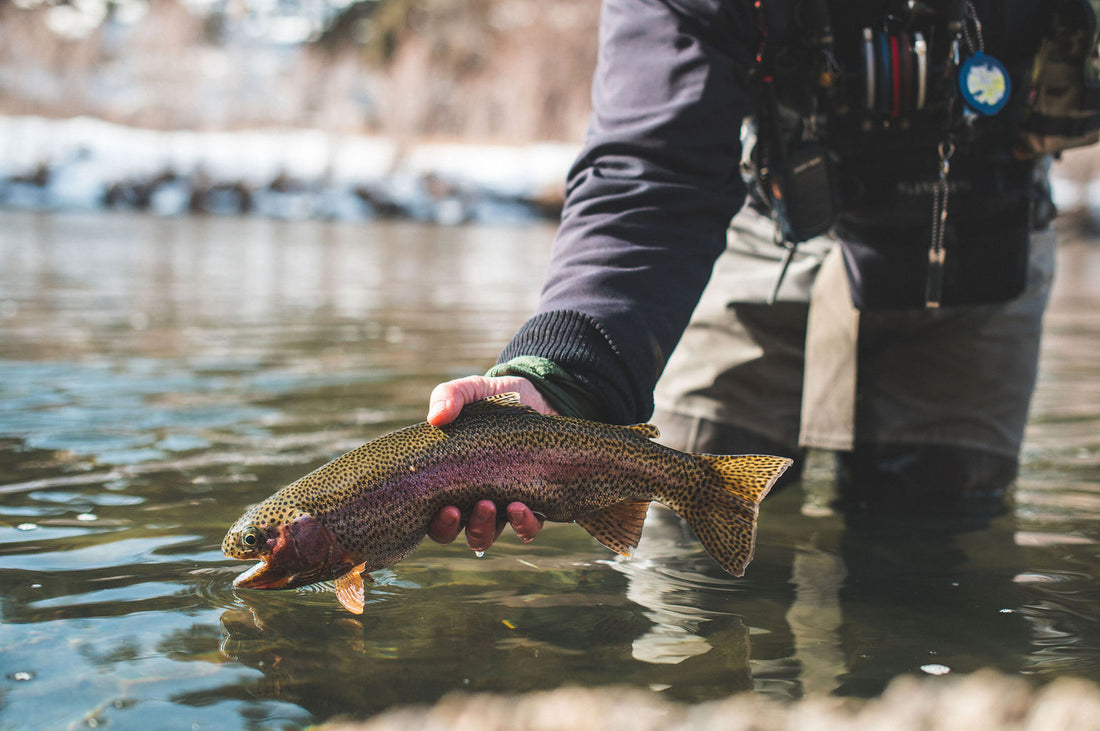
(371,507)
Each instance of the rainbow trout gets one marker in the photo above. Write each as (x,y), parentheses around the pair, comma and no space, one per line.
(371,507)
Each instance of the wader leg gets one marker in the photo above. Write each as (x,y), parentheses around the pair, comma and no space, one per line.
(924,478)
(734,383)
(943,401)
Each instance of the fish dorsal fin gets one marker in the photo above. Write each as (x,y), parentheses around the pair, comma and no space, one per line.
(649,431)
(350,591)
(618,527)
(502,402)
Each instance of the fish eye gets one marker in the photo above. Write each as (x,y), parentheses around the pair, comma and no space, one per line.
(250,538)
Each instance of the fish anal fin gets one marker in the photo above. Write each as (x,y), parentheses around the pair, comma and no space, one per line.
(350,591)
(649,431)
(618,527)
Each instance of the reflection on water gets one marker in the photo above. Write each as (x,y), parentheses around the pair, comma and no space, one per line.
(156,376)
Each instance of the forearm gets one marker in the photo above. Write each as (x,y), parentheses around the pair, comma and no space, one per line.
(648,200)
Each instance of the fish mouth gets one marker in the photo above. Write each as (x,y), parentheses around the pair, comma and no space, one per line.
(264,575)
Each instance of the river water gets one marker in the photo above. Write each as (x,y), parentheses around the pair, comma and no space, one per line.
(158,375)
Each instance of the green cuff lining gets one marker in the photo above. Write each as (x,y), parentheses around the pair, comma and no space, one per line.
(560,389)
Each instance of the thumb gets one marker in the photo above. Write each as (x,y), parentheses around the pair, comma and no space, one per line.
(448,398)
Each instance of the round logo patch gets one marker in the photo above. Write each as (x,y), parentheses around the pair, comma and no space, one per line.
(984,84)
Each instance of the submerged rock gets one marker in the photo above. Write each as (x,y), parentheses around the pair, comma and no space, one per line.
(984,700)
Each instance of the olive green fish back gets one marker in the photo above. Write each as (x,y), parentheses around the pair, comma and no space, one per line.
(342,480)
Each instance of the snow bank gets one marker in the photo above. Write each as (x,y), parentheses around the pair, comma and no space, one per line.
(84,163)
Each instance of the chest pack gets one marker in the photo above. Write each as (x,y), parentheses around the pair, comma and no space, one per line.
(873,114)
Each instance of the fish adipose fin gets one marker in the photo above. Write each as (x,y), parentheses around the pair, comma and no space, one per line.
(618,527)
(723,514)
(350,591)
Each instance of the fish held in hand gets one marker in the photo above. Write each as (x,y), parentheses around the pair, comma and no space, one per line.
(371,507)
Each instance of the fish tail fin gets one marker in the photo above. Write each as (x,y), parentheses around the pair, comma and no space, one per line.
(722,513)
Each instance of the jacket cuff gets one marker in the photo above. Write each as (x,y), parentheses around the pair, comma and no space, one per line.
(561,390)
(578,345)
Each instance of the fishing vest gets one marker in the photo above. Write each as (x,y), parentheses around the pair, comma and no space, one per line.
(875,118)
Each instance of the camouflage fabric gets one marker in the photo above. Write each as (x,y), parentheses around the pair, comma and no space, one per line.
(1064,95)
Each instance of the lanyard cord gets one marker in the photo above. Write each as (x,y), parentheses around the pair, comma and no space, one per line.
(933,283)
(774,149)
(937,254)
(972,17)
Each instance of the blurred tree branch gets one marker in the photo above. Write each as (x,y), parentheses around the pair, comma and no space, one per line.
(515,70)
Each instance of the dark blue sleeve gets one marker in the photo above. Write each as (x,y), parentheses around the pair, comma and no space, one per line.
(648,200)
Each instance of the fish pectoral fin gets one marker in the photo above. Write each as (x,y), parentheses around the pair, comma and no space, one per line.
(618,527)
(350,591)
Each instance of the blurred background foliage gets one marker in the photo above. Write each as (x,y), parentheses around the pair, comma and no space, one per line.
(505,70)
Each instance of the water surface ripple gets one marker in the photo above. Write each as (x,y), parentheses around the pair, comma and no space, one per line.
(158,375)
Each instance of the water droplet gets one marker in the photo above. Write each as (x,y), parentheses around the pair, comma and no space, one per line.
(1008,611)
(22,675)
(479,554)
(26,526)
(935,669)
(86,517)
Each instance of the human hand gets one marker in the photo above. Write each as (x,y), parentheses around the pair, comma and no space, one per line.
(483,527)
(448,398)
